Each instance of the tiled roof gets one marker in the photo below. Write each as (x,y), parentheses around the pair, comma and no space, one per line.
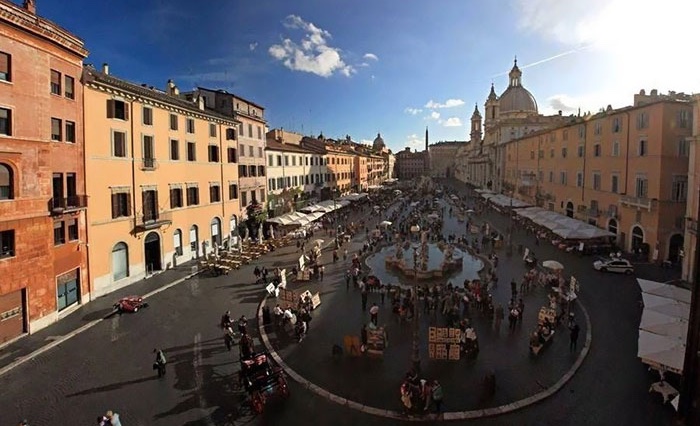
(273,145)
(91,74)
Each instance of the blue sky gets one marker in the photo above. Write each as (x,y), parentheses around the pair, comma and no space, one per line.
(393,66)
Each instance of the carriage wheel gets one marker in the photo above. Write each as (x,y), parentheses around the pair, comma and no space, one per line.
(258,402)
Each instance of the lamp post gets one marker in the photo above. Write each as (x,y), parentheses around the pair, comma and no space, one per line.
(415,355)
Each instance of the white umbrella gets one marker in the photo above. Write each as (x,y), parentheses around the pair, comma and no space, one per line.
(385,223)
(470,211)
(260,234)
(553,265)
(661,351)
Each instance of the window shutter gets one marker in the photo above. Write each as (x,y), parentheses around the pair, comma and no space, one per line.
(126,111)
(235,155)
(155,201)
(115,206)
(110,108)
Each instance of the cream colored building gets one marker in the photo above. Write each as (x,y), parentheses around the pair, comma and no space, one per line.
(162,176)
(442,158)
(624,170)
(289,172)
(693,203)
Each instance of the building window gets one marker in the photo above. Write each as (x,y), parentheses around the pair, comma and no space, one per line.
(214,194)
(250,131)
(616,125)
(262,195)
(683,115)
(259,132)
(121,204)
(192,196)
(260,153)
(213,154)
(551,153)
(562,178)
(597,128)
(148,150)
(230,134)
(70,131)
(242,171)
(232,191)
(119,144)
(596,150)
(579,179)
(596,181)
(261,170)
(6,182)
(252,171)
(582,131)
(69,91)
(242,150)
(540,154)
(251,152)
(56,129)
(683,148)
(565,135)
(55,82)
(120,261)
(532,155)
(679,189)
(191,151)
(59,233)
(270,160)
(176,198)
(117,109)
(563,152)
(244,198)
(7,243)
(615,148)
(73,232)
(642,151)
(5,66)
(212,130)
(174,149)
(231,154)
(177,242)
(147,114)
(641,187)
(173,121)
(5,122)
(551,177)
(581,151)
(642,120)
(615,184)
(190,125)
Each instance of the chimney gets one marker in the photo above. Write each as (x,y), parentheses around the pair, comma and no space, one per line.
(30,5)
(105,68)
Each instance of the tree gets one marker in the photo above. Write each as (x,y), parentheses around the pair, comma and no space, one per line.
(256,215)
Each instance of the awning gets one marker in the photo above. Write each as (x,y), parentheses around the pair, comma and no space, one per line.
(504,201)
(663,329)
(565,227)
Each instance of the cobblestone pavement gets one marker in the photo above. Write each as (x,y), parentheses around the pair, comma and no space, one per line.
(109,365)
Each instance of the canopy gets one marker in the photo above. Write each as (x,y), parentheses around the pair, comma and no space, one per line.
(504,201)
(296,218)
(553,264)
(663,329)
(565,227)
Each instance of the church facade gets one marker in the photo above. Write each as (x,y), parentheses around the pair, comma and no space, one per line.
(512,115)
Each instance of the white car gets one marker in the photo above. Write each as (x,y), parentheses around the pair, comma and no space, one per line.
(622,266)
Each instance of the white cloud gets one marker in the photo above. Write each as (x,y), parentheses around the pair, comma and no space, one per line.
(452,122)
(450,103)
(434,115)
(252,46)
(312,54)
(413,111)
(371,56)
(415,142)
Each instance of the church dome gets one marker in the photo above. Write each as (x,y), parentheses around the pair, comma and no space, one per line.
(378,143)
(516,98)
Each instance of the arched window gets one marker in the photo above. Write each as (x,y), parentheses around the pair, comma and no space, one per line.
(120,261)
(6,182)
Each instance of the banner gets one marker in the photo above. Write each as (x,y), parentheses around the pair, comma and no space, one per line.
(443,343)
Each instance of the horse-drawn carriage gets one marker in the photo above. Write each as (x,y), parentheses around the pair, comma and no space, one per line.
(262,380)
(546,321)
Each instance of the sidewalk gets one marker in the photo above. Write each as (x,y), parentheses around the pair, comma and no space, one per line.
(90,312)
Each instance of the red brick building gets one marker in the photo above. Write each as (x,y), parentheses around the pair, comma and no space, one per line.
(43,269)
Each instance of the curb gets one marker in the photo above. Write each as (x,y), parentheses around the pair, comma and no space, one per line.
(452,415)
(82,329)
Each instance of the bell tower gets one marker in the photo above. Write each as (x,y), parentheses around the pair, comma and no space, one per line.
(491,108)
(476,133)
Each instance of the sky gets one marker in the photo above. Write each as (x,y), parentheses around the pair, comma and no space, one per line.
(392,66)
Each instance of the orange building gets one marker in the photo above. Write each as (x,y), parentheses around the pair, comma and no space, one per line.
(162,173)
(42,184)
(624,170)
(340,168)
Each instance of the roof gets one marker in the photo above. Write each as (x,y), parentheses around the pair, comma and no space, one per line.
(232,94)
(90,74)
(273,145)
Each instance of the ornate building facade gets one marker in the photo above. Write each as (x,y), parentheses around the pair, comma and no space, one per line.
(442,158)
(512,115)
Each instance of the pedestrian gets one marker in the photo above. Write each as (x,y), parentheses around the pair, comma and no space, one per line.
(512,318)
(573,337)
(364,298)
(113,418)
(437,395)
(348,275)
(345,254)
(499,318)
(382,293)
(322,271)
(513,288)
(160,362)
(521,309)
(374,314)
(363,338)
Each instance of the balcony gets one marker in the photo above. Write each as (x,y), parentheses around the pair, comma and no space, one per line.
(152,220)
(638,202)
(61,205)
(149,164)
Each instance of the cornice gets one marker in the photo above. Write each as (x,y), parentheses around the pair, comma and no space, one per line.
(43,28)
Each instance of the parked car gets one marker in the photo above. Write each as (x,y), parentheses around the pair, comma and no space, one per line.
(621,266)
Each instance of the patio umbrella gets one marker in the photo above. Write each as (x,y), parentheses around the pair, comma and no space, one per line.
(470,211)
(385,223)
(553,265)
(318,242)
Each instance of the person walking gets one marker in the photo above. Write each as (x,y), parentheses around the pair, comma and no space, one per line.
(573,336)
(160,362)
(374,314)
(348,275)
(364,298)
(499,315)
(113,418)
(437,395)
(382,293)
(322,270)
(521,309)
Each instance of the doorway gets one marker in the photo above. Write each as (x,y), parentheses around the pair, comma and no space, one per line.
(194,241)
(570,209)
(675,245)
(152,253)
(637,237)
